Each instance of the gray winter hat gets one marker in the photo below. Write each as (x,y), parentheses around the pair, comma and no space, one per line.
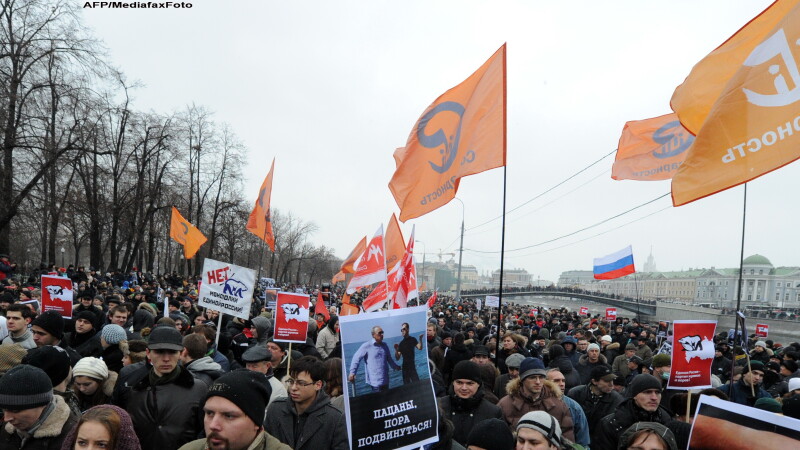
(543,423)
(25,387)
(514,360)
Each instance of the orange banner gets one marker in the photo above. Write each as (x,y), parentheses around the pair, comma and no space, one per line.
(395,244)
(651,149)
(185,234)
(461,133)
(741,101)
(260,222)
(348,310)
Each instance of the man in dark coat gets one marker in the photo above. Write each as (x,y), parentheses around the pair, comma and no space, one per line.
(465,405)
(597,398)
(721,366)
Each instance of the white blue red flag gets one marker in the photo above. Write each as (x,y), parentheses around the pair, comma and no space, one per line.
(615,265)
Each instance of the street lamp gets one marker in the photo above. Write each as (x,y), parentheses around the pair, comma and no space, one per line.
(424,253)
(62,256)
(460,251)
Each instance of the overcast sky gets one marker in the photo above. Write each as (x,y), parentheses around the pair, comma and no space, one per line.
(331,88)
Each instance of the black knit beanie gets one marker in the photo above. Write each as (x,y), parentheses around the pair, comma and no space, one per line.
(491,434)
(248,390)
(641,383)
(54,361)
(25,387)
(52,322)
(467,370)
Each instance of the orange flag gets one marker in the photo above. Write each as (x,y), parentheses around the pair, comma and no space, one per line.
(395,244)
(185,234)
(320,308)
(350,261)
(348,310)
(260,222)
(651,149)
(741,101)
(461,133)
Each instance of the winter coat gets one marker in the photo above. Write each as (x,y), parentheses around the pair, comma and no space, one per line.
(326,341)
(515,405)
(595,411)
(606,434)
(721,367)
(741,393)
(644,352)
(466,413)
(263,441)
(49,436)
(611,351)
(26,340)
(620,366)
(164,416)
(112,356)
(559,360)
(205,369)
(584,367)
(454,355)
(324,426)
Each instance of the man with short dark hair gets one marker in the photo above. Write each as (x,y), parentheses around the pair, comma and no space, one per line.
(17,319)
(597,398)
(48,329)
(740,391)
(306,419)
(405,349)
(211,334)
(466,406)
(194,359)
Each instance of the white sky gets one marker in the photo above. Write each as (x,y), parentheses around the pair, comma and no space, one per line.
(331,88)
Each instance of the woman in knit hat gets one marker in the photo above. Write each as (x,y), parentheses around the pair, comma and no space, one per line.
(110,338)
(103,426)
(93,383)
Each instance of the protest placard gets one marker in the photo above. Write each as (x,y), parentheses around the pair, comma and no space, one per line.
(291,317)
(57,295)
(762,330)
(492,301)
(227,288)
(584,311)
(611,314)
(389,397)
(692,354)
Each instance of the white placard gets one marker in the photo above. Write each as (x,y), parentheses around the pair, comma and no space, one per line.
(227,288)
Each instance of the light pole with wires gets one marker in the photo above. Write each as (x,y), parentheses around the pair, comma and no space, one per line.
(460,252)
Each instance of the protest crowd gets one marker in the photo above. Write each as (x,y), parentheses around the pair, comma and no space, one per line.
(124,374)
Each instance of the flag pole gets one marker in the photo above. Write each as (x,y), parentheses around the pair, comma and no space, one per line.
(739,294)
(636,284)
(503,228)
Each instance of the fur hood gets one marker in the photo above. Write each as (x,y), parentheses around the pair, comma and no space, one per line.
(584,360)
(549,389)
(613,346)
(54,423)
(111,381)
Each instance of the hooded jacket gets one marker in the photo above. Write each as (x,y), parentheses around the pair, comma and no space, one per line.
(263,328)
(466,413)
(327,339)
(611,351)
(49,436)
(323,426)
(107,388)
(516,404)
(606,435)
(205,369)
(559,360)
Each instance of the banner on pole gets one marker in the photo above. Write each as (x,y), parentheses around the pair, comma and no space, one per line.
(584,310)
(479,304)
(57,295)
(692,354)
(492,301)
(291,317)
(388,391)
(611,314)
(762,330)
(226,288)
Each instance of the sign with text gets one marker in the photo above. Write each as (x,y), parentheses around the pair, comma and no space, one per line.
(388,391)
(492,301)
(611,314)
(584,311)
(291,317)
(57,295)
(762,330)
(692,354)
(479,304)
(226,288)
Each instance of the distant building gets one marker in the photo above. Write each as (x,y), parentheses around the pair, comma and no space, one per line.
(512,277)
(573,278)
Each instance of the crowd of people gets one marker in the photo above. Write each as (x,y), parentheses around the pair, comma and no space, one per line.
(140,366)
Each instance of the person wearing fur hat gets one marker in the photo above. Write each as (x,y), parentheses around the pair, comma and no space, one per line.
(93,382)
(532,392)
(34,417)
(465,405)
(234,414)
(642,405)
(103,426)
(741,391)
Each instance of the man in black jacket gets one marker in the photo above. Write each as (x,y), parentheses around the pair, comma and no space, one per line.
(465,405)
(721,366)
(597,398)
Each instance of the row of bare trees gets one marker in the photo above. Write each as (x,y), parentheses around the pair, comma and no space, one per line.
(84,172)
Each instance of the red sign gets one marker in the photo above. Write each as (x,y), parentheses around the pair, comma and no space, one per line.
(692,354)
(57,295)
(762,330)
(585,311)
(291,318)
(611,314)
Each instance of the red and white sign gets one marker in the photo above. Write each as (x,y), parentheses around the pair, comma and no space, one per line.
(585,311)
(762,330)
(291,318)
(57,295)
(692,354)
(376,299)
(611,314)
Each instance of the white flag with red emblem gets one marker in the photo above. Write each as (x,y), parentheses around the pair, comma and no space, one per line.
(371,266)
(376,299)
(432,299)
(403,279)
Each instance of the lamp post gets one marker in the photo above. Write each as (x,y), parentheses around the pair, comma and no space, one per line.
(460,252)
(62,256)
(424,253)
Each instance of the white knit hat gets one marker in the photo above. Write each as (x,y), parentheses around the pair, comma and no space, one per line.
(91,367)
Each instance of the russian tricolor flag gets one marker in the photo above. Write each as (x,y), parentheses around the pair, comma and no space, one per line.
(615,265)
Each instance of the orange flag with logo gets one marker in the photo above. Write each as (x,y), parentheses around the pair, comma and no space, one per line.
(742,102)
(395,244)
(185,234)
(260,222)
(350,261)
(651,149)
(461,133)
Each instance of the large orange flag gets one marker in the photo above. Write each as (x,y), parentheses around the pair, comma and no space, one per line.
(742,103)
(185,234)
(651,149)
(260,222)
(461,133)
(350,261)
(395,244)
